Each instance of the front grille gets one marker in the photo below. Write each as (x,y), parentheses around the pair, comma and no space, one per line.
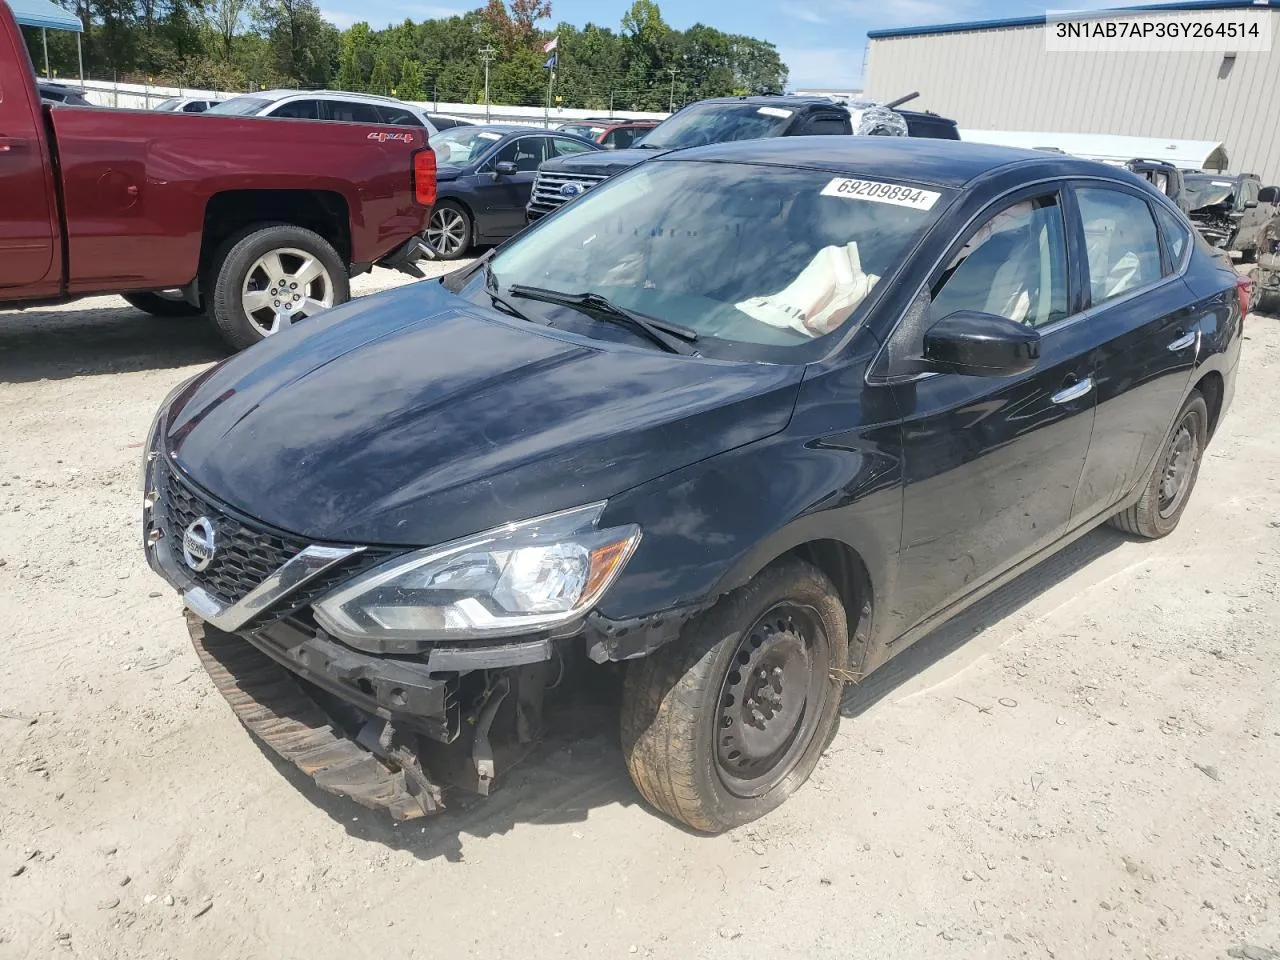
(247,552)
(546,189)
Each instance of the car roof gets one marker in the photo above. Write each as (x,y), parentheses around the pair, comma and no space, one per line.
(281,94)
(777,100)
(946,163)
(507,128)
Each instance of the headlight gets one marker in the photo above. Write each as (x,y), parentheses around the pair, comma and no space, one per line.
(515,579)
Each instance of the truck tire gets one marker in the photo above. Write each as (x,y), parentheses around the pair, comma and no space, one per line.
(449,231)
(159,305)
(1165,496)
(722,725)
(267,277)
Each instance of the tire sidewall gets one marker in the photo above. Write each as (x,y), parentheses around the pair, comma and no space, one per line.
(468,230)
(241,251)
(726,625)
(1196,408)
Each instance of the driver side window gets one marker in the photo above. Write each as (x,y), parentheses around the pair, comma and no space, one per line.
(527,153)
(1013,266)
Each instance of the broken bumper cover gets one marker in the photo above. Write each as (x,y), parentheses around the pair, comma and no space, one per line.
(377,769)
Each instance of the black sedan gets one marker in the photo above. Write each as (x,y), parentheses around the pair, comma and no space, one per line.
(485,175)
(746,420)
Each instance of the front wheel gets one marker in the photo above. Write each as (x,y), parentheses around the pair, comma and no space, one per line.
(1158,510)
(721,726)
(269,277)
(449,231)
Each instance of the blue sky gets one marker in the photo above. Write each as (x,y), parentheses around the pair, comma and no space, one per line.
(821,41)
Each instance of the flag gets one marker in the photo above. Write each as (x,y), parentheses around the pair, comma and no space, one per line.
(551,63)
(550,44)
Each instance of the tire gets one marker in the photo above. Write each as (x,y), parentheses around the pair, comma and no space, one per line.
(684,707)
(1268,303)
(162,306)
(240,280)
(450,230)
(1158,510)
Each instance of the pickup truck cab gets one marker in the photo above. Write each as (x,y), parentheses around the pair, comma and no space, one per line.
(187,215)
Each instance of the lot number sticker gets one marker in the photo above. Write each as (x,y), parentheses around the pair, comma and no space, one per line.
(878,192)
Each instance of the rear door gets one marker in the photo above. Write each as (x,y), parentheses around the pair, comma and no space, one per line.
(991,465)
(28,227)
(1150,331)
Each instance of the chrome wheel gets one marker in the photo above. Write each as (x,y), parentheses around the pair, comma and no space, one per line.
(284,286)
(447,231)
(771,699)
(1179,464)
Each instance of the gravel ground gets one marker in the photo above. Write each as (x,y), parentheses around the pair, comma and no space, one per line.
(1085,765)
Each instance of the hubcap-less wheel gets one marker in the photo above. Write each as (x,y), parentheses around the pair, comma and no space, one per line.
(771,699)
(284,286)
(1177,468)
(446,231)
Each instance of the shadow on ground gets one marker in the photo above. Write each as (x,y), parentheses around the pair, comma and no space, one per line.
(580,766)
(78,341)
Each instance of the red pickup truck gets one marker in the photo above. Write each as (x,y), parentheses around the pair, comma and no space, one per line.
(255,222)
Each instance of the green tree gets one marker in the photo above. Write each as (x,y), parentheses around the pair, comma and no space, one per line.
(412,81)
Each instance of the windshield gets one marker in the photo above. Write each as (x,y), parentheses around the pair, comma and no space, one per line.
(240,106)
(458,146)
(1209,191)
(170,104)
(742,253)
(718,123)
(588,130)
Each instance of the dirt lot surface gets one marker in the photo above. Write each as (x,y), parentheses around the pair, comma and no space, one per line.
(1086,765)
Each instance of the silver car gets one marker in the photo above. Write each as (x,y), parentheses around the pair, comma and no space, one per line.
(326,105)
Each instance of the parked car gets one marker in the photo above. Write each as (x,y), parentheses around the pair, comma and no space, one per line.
(185,105)
(325,105)
(1228,210)
(926,123)
(59,93)
(745,421)
(441,122)
(186,215)
(610,134)
(1165,177)
(707,121)
(485,175)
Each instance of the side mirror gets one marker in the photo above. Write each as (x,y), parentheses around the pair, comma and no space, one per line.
(1269,194)
(505,168)
(1250,204)
(975,344)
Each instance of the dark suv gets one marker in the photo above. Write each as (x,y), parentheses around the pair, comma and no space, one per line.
(699,124)
(1228,210)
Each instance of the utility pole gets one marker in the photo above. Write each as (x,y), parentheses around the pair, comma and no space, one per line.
(673,88)
(487,53)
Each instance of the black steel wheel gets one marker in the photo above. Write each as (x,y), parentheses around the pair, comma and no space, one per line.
(722,725)
(1173,475)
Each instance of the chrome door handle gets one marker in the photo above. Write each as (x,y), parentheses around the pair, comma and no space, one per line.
(1184,341)
(1073,392)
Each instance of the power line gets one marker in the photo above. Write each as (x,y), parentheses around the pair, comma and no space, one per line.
(487,53)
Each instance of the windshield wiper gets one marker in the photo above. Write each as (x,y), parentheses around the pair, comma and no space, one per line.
(670,336)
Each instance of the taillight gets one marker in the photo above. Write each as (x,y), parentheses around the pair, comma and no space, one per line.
(1244,286)
(424,177)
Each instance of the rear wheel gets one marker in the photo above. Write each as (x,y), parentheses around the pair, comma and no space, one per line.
(1158,510)
(723,725)
(267,278)
(160,304)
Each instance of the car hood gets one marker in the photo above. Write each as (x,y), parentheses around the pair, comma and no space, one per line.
(606,162)
(415,417)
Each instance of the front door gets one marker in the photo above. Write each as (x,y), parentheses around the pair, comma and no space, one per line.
(1139,306)
(504,196)
(991,465)
(26,213)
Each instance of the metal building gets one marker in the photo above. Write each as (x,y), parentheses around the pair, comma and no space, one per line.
(998,75)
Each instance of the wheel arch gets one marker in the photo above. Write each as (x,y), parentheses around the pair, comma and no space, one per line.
(324,212)
(1212,387)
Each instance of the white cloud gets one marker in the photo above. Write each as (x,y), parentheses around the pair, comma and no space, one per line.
(342,19)
(835,68)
